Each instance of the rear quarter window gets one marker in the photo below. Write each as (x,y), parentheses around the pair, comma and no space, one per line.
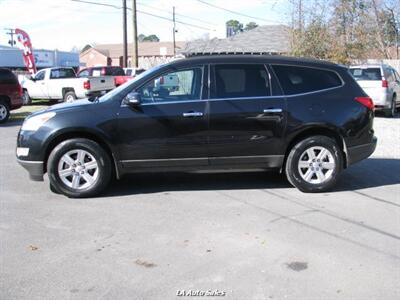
(7,77)
(366,73)
(298,80)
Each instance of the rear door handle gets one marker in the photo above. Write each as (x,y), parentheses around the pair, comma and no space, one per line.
(192,114)
(272,110)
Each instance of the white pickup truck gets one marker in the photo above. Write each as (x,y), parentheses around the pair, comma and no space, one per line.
(62,83)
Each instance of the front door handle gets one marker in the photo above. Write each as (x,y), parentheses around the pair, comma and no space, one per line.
(272,110)
(192,114)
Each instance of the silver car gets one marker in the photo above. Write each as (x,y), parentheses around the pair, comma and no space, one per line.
(382,83)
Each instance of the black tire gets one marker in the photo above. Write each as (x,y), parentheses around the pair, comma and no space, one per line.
(390,113)
(26,98)
(293,159)
(4,111)
(91,147)
(54,189)
(68,96)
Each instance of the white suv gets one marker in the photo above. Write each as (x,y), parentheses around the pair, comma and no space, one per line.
(381,83)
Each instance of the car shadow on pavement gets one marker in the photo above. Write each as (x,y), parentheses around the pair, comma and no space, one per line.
(373,172)
(12,123)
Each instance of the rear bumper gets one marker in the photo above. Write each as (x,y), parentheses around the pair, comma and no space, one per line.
(34,168)
(360,152)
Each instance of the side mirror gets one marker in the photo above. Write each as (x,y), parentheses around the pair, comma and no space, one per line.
(132,99)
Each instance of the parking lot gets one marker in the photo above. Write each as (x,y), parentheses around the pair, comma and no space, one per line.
(246,235)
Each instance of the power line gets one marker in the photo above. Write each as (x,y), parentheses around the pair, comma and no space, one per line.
(234,12)
(177,14)
(145,13)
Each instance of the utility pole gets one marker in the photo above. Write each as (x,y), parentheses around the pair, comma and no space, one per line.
(11,33)
(135,54)
(125,57)
(173,29)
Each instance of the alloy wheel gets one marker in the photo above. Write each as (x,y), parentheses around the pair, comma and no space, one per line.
(316,165)
(3,112)
(78,169)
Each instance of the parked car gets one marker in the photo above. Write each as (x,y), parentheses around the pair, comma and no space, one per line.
(10,94)
(309,119)
(382,83)
(62,83)
(116,72)
(133,71)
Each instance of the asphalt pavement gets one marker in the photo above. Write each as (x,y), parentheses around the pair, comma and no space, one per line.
(237,235)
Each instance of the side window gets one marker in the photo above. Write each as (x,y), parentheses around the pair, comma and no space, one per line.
(238,80)
(297,80)
(84,73)
(40,75)
(7,77)
(62,73)
(174,86)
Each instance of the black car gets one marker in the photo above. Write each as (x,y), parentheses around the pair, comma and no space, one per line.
(306,118)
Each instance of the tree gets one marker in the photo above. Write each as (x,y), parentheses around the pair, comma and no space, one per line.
(250,26)
(234,26)
(148,38)
(141,37)
(151,38)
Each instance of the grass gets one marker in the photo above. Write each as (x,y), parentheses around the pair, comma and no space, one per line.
(21,113)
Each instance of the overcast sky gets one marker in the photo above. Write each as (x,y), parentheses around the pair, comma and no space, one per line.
(63,24)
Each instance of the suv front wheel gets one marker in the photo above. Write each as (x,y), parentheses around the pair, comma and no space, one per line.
(313,164)
(79,168)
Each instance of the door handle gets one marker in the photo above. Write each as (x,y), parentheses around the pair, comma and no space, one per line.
(192,114)
(272,110)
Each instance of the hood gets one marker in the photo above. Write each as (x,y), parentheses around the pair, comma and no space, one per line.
(66,106)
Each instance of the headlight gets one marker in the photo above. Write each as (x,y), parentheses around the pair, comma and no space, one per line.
(35,122)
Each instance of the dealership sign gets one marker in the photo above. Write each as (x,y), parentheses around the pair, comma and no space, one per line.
(44,58)
(24,39)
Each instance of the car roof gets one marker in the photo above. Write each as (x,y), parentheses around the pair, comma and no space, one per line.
(248,58)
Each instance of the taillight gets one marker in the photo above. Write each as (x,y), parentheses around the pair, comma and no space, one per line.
(385,83)
(103,71)
(366,101)
(162,80)
(86,85)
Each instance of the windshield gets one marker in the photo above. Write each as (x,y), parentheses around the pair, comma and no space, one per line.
(127,86)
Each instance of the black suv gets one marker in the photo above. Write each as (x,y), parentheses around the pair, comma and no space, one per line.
(306,118)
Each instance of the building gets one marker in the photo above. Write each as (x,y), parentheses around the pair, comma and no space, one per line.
(150,54)
(11,57)
(266,39)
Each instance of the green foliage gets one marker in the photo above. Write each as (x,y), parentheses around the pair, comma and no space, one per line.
(149,38)
(250,26)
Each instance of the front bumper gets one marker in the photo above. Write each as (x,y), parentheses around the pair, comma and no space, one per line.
(34,168)
(360,152)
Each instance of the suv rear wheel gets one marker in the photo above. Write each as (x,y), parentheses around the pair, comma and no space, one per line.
(313,164)
(4,111)
(391,112)
(79,168)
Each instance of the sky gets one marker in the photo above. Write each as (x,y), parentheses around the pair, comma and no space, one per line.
(64,24)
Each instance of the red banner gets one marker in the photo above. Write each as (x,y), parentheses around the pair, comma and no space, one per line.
(24,39)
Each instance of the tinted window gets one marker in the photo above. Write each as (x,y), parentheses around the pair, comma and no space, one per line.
(128,72)
(62,73)
(233,81)
(40,75)
(297,80)
(174,86)
(366,73)
(115,71)
(7,77)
